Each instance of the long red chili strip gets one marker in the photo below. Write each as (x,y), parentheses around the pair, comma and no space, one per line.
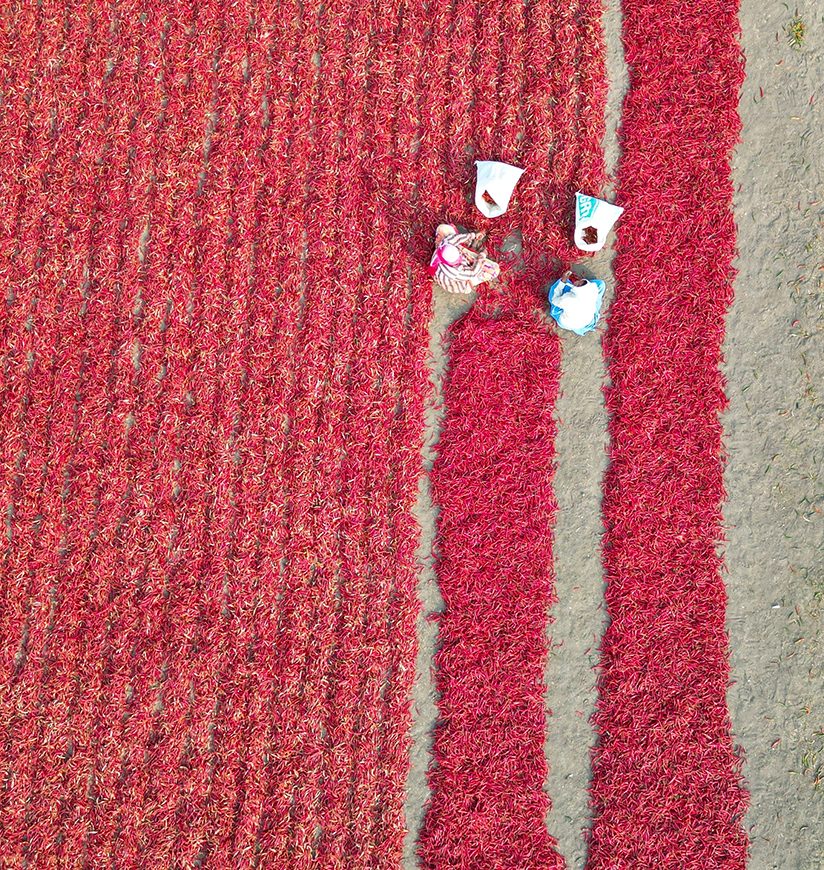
(492,477)
(492,484)
(666,787)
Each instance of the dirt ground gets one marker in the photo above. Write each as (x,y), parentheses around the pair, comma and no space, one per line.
(775,369)
(775,536)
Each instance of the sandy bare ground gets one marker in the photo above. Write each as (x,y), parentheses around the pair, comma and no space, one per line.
(775,440)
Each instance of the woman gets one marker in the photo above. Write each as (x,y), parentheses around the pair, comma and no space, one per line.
(460,262)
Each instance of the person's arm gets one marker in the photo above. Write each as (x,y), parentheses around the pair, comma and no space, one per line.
(462,239)
(473,241)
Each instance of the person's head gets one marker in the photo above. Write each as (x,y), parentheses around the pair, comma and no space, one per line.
(450,254)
